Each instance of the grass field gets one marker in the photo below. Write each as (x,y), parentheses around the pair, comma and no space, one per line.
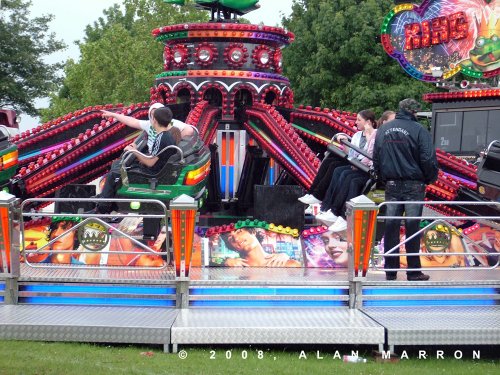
(41,358)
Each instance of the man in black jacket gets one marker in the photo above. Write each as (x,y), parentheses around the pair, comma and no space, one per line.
(405,159)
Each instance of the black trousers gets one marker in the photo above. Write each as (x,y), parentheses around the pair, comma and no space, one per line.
(324,175)
(111,185)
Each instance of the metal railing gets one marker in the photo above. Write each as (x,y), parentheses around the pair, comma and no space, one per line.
(446,221)
(99,219)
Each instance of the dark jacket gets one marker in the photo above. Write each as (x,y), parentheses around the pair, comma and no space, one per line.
(404,151)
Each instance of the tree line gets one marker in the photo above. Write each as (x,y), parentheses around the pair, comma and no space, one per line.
(336,60)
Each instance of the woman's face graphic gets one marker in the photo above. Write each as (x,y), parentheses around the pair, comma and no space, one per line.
(335,247)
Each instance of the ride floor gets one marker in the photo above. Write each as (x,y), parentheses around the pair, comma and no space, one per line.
(240,306)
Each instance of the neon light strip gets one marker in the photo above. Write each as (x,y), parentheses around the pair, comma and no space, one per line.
(462,180)
(97,153)
(267,291)
(316,135)
(96,301)
(270,303)
(233,35)
(279,150)
(427,291)
(81,161)
(236,74)
(97,289)
(42,151)
(272,168)
(433,302)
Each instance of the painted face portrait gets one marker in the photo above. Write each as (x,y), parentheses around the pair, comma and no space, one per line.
(65,242)
(335,247)
(241,240)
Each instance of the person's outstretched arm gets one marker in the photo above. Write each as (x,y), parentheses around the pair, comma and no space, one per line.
(127,120)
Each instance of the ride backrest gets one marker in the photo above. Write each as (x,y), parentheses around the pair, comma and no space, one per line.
(488,171)
(170,170)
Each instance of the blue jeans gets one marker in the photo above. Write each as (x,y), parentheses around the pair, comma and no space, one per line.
(403,191)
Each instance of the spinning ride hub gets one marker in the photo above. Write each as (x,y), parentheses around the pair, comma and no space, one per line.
(228,64)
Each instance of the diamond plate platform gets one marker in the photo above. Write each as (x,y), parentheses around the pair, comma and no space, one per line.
(434,325)
(86,324)
(275,326)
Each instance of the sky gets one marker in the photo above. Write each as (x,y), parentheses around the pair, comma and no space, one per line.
(72,16)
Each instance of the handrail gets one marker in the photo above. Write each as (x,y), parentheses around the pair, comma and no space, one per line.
(146,250)
(491,144)
(437,220)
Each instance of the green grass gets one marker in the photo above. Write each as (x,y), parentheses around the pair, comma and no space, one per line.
(41,358)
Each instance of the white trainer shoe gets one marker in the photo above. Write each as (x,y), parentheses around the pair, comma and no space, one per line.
(309,199)
(339,225)
(327,217)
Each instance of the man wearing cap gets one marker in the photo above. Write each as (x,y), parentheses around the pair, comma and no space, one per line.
(404,158)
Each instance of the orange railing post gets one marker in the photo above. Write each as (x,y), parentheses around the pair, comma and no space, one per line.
(183,218)
(361,215)
(9,245)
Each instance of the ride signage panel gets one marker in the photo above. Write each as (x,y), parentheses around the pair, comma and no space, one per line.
(440,38)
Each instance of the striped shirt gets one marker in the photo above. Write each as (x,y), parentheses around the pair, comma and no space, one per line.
(150,131)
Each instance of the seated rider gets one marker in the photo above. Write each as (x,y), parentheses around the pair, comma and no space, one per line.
(166,135)
(146,125)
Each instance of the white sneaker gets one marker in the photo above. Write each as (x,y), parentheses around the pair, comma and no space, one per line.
(339,225)
(309,199)
(327,217)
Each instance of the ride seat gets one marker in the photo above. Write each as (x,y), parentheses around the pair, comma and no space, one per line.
(171,170)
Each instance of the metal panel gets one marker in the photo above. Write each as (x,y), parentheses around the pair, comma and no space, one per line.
(473,325)
(275,326)
(49,273)
(232,145)
(87,324)
(268,276)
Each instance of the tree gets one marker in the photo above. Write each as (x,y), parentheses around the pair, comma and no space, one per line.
(24,76)
(337,59)
(119,56)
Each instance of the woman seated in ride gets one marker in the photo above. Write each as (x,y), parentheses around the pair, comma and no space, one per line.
(347,181)
(321,182)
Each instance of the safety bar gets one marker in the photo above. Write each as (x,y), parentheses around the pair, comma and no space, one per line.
(137,152)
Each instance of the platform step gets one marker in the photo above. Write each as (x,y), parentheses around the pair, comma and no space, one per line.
(141,325)
(275,326)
